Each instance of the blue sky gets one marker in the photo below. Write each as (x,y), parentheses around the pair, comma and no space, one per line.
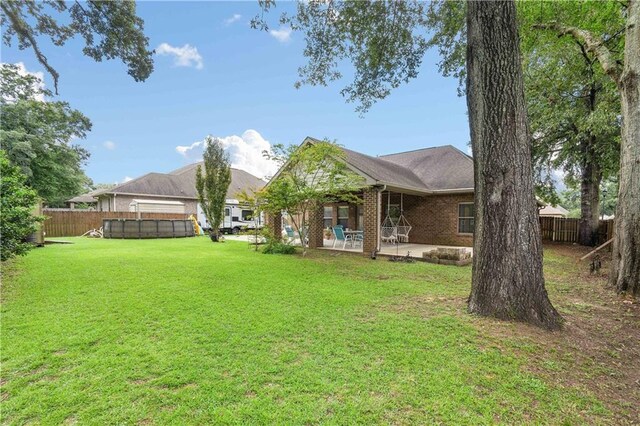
(239,79)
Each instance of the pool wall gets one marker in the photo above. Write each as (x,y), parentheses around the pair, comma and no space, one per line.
(147,228)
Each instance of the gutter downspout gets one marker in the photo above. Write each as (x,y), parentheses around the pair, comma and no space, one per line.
(378,211)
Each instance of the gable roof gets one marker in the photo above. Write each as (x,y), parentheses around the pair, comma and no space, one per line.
(428,170)
(181,183)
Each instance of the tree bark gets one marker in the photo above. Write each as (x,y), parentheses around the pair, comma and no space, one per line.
(507,278)
(589,196)
(625,262)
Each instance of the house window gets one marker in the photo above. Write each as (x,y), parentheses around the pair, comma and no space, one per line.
(328,217)
(343,216)
(465,218)
(360,211)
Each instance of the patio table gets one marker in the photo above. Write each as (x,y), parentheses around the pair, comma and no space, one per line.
(353,234)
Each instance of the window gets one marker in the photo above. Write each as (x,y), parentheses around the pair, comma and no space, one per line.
(328,217)
(343,216)
(247,215)
(360,212)
(227,212)
(465,218)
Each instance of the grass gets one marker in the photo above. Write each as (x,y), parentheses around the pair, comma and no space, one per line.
(186,331)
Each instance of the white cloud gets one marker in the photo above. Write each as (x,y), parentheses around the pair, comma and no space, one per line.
(109,145)
(283,35)
(185,56)
(126,179)
(37,85)
(245,153)
(235,18)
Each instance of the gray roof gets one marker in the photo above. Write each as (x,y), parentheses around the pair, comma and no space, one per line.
(84,198)
(442,168)
(439,168)
(181,183)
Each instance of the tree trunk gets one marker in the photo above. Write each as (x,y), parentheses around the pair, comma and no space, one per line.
(589,196)
(625,263)
(507,279)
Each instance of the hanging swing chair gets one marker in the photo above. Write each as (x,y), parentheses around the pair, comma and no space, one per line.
(403,227)
(394,231)
(388,230)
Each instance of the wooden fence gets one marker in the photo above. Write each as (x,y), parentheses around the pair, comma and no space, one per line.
(566,230)
(71,223)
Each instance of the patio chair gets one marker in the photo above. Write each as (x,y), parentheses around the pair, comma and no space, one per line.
(291,235)
(402,233)
(358,238)
(389,234)
(338,234)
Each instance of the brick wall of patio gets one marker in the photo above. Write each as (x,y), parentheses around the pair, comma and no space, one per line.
(434,218)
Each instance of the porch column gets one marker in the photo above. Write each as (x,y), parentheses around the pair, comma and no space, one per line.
(274,222)
(316,226)
(371,216)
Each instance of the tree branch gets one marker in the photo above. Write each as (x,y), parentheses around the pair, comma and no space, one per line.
(22,30)
(592,43)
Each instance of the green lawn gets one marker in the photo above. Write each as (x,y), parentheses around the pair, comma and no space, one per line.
(186,331)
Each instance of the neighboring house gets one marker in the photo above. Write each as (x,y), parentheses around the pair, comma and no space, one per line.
(168,192)
(87,200)
(551,211)
(431,187)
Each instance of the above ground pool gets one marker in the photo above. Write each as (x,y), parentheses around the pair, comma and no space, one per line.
(147,228)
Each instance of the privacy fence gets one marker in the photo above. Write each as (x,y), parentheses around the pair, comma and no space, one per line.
(566,230)
(72,223)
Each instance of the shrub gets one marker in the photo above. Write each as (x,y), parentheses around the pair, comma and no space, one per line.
(274,245)
(277,247)
(16,215)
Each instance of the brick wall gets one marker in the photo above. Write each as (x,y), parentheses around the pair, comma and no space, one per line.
(434,218)
(370,204)
(316,228)
(274,223)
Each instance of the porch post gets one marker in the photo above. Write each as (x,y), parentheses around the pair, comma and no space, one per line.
(274,222)
(316,230)
(371,206)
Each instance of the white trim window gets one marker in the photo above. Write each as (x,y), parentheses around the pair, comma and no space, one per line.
(327,218)
(466,222)
(343,216)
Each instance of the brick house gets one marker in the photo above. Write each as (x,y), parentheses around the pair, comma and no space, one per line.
(431,187)
(176,186)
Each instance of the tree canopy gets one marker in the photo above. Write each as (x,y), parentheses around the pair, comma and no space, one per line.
(212,186)
(37,136)
(110,29)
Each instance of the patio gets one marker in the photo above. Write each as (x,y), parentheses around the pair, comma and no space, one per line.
(401,249)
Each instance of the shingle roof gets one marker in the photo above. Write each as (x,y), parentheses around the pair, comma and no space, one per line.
(84,198)
(439,168)
(382,170)
(442,168)
(550,210)
(181,183)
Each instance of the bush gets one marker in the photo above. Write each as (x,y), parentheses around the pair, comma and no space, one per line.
(16,219)
(274,245)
